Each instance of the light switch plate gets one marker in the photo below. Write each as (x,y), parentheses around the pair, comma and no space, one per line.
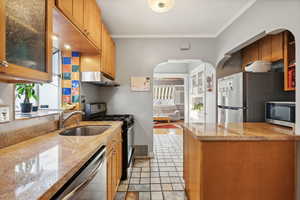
(4,113)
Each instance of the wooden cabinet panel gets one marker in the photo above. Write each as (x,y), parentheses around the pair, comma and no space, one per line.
(90,62)
(254,52)
(96,29)
(87,18)
(227,170)
(277,47)
(85,15)
(192,167)
(78,13)
(66,6)
(114,164)
(250,54)
(249,170)
(289,62)
(104,55)
(2,35)
(265,49)
(113,60)
(92,23)
(109,176)
(108,54)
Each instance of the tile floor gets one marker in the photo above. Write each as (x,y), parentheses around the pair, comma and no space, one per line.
(160,178)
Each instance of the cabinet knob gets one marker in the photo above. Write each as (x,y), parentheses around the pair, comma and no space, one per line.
(3,63)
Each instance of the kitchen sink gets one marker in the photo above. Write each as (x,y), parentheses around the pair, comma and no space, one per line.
(85,130)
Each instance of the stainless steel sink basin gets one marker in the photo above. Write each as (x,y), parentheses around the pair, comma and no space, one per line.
(85,130)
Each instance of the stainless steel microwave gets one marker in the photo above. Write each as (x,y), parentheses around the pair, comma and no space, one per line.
(281,113)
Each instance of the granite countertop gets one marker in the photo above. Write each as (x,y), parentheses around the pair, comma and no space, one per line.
(256,131)
(39,167)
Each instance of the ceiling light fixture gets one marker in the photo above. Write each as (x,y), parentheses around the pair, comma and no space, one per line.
(161,6)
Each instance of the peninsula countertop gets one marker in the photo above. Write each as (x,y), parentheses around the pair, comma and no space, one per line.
(249,131)
(39,167)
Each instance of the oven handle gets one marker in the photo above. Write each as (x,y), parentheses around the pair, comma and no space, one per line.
(90,177)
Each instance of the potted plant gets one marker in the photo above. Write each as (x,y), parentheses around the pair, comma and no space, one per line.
(198,107)
(28,91)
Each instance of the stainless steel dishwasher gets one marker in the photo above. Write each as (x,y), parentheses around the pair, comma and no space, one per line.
(89,183)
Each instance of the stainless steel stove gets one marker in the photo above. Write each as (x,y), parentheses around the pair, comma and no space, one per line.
(97,112)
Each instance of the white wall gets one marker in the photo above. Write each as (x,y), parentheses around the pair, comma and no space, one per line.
(7,97)
(174,68)
(264,15)
(139,57)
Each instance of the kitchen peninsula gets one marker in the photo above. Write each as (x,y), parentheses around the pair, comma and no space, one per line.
(239,161)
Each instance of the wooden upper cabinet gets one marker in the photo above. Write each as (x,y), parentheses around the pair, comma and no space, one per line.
(250,54)
(90,62)
(277,47)
(28,55)
(113,55)
(104,47)
(92,22)
(85,15)
(269,48)
(66,6)
(108,54)
(265,49)
(88,16)
(78,10)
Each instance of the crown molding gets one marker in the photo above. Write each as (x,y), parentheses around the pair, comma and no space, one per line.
(218,33)
(235,17)
(163,36)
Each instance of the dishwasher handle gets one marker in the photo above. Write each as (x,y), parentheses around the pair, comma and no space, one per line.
(90,177)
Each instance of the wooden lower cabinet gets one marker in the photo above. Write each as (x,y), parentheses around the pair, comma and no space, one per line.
(114,165)
(235,170)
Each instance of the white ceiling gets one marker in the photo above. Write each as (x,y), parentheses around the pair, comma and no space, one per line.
(189,18)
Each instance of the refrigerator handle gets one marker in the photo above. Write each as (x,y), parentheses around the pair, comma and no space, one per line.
(233,108)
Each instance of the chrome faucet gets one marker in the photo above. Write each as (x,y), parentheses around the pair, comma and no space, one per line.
(63,117)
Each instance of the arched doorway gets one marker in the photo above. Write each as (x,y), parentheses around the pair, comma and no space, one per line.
(197,82)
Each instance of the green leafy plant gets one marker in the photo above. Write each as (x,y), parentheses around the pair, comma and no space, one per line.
(198,106)
(27,90)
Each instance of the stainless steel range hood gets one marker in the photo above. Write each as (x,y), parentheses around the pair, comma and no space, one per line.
(97,78)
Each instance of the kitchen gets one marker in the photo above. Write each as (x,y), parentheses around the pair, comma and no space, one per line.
(119,99)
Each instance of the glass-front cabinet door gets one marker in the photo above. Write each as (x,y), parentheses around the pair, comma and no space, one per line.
(26,39)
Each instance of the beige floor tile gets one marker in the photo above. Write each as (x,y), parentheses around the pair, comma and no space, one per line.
(167,187)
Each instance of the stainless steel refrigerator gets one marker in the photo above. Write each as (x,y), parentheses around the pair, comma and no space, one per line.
(242,96)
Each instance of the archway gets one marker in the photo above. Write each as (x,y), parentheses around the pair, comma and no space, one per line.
(199,90)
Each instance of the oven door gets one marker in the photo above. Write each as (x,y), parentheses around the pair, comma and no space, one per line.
(130,143)
(281,113)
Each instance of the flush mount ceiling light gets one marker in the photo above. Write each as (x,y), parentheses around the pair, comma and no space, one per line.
(161,6)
